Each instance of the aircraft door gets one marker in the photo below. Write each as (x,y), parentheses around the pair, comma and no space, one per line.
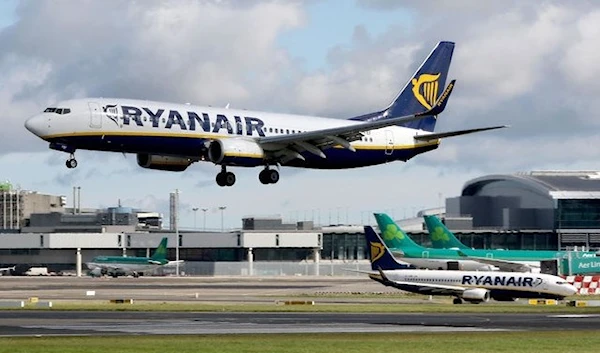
(425,254)
(389,142)
(95,115)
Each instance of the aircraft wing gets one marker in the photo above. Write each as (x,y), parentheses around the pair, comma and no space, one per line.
(174,263)
(291,145)
(504,265)
(435,136)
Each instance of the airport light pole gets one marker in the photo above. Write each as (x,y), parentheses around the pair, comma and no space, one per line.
(177,232)
(195,209)
(204,218)
(222,208)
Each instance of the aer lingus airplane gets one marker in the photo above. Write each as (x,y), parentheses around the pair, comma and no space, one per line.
(471,286)
(124,265)
(168,136)
(504,260)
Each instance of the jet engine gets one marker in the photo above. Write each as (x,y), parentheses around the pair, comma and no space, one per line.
(476,295)
(154,161)
(236,151)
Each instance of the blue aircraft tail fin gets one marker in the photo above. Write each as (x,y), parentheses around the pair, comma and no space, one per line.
(380,255)
(421,92)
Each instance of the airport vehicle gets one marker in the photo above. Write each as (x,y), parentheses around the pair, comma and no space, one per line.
(124,265)
(167,136)
(504,260)
(37,271)
(470,286)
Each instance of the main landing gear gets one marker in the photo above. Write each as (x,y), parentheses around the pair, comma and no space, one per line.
(71,162)
(225,178)
(268,176)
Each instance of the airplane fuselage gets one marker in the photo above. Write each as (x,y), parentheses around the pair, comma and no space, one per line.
(513,284)
(182,130)
(124,264)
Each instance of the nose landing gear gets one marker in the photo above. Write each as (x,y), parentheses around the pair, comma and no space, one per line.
(71,162)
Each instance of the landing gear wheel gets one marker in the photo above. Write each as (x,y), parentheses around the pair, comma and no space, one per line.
(262,176)
(268,176)
(221,179)
(229,179)
(225,179)
(71,163)
(457,301)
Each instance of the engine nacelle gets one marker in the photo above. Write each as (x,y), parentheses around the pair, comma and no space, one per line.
(476,295)
(236,151)
(158,162)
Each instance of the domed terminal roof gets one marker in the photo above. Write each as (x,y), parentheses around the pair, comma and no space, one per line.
(556,184)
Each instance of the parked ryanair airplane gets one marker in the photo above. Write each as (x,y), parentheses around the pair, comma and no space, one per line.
(470,286)
(168,136)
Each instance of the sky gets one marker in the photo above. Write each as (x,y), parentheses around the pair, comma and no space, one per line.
(528,64)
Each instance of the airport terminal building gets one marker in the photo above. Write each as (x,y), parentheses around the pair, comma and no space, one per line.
(550,209)
(536,210)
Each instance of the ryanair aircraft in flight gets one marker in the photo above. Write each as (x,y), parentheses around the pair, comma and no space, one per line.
(167,136)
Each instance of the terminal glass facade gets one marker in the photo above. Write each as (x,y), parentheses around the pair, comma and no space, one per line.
(578,214)
(344,246)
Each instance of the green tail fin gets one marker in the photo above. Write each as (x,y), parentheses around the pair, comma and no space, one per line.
(393,236)
(441,237)
(161,252)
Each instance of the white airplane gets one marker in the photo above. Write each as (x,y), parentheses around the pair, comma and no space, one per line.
(471,286)
(169,136)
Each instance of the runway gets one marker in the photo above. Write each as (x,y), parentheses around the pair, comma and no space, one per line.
(64,323)
(240,290)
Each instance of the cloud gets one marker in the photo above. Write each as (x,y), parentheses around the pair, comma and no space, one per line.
(195,51)
(527,64)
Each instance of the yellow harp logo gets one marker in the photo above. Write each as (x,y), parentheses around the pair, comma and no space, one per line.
(377,250)
(425,89)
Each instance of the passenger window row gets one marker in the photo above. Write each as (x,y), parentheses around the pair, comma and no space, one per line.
(58,110)
(281,131)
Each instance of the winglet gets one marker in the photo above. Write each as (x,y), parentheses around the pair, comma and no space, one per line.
(440,105)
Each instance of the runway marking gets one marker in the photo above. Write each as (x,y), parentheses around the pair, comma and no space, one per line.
(575,316)
(211,327)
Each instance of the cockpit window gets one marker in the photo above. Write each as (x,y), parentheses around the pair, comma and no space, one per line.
(60,111)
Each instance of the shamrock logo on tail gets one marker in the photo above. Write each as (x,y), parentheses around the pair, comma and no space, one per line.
(393,232)
(438,234)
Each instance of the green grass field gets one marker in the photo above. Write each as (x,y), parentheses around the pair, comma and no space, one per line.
(464,342)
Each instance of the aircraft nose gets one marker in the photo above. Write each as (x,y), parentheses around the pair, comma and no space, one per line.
(571,289)
(36,125)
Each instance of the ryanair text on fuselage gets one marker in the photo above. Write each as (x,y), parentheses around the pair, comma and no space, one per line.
(501,281)
(131,115)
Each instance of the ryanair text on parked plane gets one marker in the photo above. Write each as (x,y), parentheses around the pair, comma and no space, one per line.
(501,281)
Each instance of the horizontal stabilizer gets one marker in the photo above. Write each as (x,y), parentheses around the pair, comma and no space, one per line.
(436,136)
